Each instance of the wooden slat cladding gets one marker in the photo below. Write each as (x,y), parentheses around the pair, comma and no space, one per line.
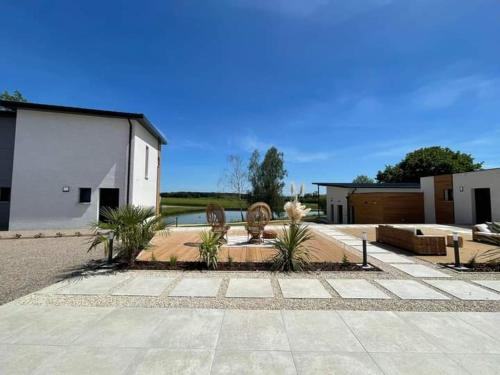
(445,212)
(387,208)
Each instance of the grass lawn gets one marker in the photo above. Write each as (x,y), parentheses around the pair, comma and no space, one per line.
(178,210)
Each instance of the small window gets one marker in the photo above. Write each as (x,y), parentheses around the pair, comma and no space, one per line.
(448,194)
(146,168)
(85,194)
(4,194)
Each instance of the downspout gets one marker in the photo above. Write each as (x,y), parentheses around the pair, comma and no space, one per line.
(129,162)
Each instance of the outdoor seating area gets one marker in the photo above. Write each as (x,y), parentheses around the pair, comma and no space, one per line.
(486,232)
(410,239)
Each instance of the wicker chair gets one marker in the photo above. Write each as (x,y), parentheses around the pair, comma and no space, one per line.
(216,218)
(258,216)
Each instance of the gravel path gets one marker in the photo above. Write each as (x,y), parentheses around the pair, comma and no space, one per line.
(28,265)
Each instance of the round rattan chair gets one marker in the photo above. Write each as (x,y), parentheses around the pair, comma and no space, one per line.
(216,218)
(258,216)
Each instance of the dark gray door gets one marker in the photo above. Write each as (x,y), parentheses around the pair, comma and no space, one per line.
(483,205)
(340,214)
(108,198)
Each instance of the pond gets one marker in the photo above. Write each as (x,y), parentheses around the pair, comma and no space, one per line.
(232,216)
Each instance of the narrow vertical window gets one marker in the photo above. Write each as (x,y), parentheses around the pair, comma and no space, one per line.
(146,168)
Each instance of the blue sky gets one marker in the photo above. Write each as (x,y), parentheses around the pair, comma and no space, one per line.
(341,87)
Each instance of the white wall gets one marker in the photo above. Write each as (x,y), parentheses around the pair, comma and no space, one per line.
(464,202)
(53,150)
(336,196)
(427,187)
(144,190)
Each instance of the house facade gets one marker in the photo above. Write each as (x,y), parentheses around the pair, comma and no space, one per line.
(64,164)
(460,198)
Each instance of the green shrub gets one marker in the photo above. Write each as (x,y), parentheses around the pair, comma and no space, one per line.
(134,227)
(291,252)
(173,260)
(209,248)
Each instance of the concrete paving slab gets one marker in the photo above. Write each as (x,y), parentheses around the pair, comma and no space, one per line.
(386,332)
(144,286)
(303,288)
(319,331)
(187,329)
(492,284)
(487,322)
(419,270)
(484,364)
(410,289)
(250,288)
(451,334)
(163,361)
(15,318)
(371,249)
(89,360)
(320,363)
(24,359)
(417,364)
(59,325)
(253,330)
(197,287)
(253,363)
(125,327)
(351,242)
(95,285)
(356,288)
(464,290)
(391,258)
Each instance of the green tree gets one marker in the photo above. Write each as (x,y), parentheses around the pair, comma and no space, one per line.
(428,161)
(267,178)
(16,96)
(363,179)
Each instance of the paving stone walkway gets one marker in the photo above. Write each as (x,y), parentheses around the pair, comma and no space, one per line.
(75,340)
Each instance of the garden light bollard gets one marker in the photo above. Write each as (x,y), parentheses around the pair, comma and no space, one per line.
(457,250)
(111,236)
(365,255)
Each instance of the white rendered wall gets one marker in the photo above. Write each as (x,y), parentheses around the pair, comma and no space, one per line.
(144,190)
(464,201)
(53,150)
(336,196)
(427,187)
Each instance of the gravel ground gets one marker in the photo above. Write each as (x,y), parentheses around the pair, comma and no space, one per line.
(28,265)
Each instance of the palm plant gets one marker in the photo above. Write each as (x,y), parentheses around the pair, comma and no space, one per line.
(209,248)
(134,228)
(291,252)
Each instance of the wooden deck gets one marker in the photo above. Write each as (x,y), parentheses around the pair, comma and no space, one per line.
(184,246)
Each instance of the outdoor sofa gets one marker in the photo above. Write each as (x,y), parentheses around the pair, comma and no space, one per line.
(487,232)
(411,239)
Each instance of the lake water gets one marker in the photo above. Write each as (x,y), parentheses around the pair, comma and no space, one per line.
(200,217)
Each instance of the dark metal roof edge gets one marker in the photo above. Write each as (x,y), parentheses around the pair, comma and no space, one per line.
(87,111)
(403,185)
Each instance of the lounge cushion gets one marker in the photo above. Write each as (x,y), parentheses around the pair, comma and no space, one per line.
(494,227)
(483,228)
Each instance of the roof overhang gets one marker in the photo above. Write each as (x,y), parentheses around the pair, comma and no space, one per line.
(351,185)
(141,118)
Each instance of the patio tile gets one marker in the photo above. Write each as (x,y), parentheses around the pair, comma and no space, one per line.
(59,325)
(356,288)
(384,331)
(303,288)
(464,290)
(15,318)
(410,289)
(487,322)
(144,286)
(23,359)
(250,288)
(253,363)
(419,270)
(197,287)
(187,329)
(253,330)
(492,284)
(484,364)
(391,258)
(451,334)
(320,363)
(371,249)
(319,331)
(350,241)
(162,361)
(89,360)
(96,285)
(417,364)
(125,327)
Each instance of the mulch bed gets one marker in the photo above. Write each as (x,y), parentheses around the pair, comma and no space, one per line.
(478,267)
(245,266)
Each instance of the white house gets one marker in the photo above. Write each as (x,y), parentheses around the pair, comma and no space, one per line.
(60,165)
